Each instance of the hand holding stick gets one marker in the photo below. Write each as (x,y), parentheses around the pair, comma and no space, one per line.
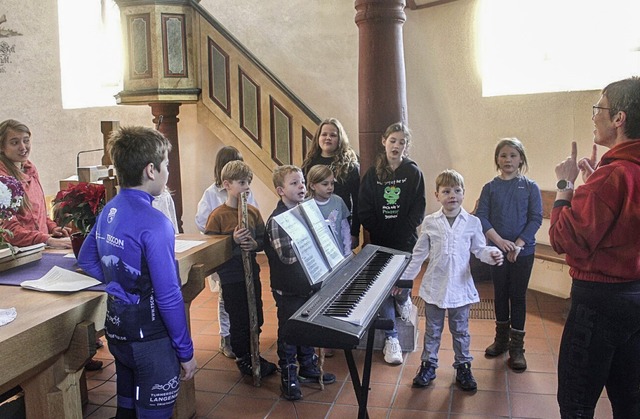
(247,243)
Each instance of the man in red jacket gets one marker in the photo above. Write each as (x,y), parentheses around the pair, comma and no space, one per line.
(597,227)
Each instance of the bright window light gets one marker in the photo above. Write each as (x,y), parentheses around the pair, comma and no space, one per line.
(534,46)
(90,52)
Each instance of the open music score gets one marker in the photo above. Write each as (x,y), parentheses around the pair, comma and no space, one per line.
(314,243)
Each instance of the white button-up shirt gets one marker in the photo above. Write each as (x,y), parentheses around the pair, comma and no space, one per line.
(447,283)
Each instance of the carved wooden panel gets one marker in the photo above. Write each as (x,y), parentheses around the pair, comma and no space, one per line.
(249,106)
(281,134)
(219,77)
(174,45)
(139,46)
(307,142)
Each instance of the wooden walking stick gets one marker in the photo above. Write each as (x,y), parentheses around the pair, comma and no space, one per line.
(243,222)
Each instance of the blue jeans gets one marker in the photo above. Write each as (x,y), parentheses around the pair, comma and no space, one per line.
(148,376)
(459,328)
(510,283)
(223,316)
(388,310)
(600,347)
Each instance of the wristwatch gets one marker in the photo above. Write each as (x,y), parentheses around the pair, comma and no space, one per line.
(564,185)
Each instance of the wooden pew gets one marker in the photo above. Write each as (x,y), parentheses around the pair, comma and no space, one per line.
(545,251)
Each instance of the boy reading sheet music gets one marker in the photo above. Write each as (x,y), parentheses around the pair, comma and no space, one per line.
(290,286)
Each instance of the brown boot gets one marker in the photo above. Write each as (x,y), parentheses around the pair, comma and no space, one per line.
(501,342)
(516,351)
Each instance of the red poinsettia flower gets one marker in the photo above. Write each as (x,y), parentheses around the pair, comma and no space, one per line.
(79,204)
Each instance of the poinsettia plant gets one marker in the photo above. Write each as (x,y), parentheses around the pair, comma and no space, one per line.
(79,204)
(11,195)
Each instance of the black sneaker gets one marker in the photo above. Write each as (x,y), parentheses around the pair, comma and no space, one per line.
(266,368)
(289,383)
(425,375)
(464,377)
(311,373)
(93,365)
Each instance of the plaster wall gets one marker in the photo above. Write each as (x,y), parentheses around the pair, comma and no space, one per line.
(30,85)
(313,48)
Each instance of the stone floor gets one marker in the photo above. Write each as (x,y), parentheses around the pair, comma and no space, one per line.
(223,393)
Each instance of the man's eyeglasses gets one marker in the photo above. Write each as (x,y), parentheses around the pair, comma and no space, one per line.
(596,109)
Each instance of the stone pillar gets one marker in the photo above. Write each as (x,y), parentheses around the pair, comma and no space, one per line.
(166,120)
(382,98)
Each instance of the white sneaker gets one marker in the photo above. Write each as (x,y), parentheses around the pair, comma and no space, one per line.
(405,309)
(392,351)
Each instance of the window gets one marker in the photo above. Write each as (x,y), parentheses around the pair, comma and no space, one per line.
(533,46)
(90,52)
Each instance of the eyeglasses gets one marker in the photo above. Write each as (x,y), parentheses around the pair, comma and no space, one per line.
(596,109)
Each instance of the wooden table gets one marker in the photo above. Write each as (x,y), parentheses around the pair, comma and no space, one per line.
(45,348)
(194,265)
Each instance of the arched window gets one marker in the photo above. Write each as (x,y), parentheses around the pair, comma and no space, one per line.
(90,52)
(534,46)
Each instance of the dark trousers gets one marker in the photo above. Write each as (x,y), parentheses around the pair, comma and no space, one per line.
(601,348)
(510,282)
(148,376)
(287,305)
(237,306)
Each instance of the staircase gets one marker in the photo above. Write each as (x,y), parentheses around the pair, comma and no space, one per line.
(178,53)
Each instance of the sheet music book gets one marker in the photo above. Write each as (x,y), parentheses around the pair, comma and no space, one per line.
(61,280)
(314,243)
(5,254)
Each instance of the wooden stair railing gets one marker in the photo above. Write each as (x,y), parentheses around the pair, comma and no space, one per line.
(177,52)
(253,109)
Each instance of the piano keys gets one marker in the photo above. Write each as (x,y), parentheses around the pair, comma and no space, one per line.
(339,314)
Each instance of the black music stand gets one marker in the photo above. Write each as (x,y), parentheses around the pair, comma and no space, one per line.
(362,388)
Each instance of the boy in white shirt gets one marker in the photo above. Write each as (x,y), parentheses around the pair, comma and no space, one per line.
(447,236)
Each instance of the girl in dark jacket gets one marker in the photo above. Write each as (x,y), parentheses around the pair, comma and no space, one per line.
(391,206)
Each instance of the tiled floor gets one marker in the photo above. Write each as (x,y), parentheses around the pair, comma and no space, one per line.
(223,393)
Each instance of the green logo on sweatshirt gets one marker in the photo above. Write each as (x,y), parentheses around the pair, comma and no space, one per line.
(391,194)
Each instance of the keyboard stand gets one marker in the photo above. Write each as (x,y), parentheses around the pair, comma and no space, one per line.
(362,388)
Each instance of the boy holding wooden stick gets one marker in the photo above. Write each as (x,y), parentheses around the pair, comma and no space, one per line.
(236,179)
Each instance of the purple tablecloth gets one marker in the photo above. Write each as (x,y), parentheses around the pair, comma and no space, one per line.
(37,269)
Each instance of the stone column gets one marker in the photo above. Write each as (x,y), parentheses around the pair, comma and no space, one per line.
(382,98)
(166,120)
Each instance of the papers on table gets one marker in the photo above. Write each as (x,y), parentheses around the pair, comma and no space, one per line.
(7,315)
(61,280)
(184,245)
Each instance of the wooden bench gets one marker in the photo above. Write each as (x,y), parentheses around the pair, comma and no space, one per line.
(545,251)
